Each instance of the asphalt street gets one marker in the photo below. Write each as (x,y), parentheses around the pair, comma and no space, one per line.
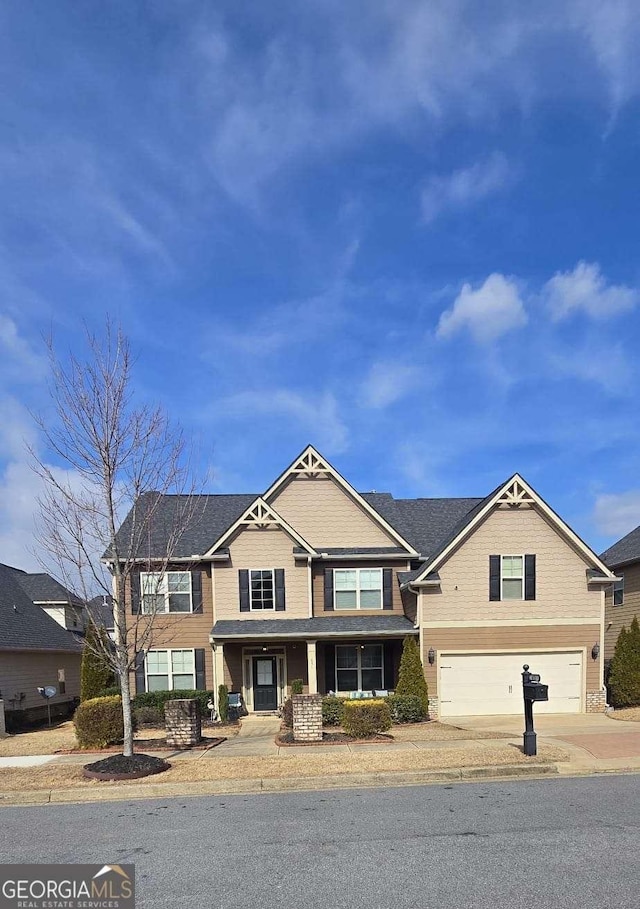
(543,844)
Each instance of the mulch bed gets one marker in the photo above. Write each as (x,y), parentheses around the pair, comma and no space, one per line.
(333,738)
(142,745)
(119,767)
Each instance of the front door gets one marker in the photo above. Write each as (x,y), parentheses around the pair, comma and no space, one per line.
(265,692)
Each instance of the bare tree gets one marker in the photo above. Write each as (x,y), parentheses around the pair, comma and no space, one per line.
(119,458)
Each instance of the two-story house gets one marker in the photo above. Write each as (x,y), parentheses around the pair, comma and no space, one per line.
(314,580)
(623,599)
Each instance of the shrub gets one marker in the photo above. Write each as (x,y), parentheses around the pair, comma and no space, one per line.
(98,722)
(287,713)
(148,716)
(405,708)
(157,700)
(366,718)
(624,674)
(332,710)
(114,691)
(411,680)
(297,686)
(95,675)
(223,703)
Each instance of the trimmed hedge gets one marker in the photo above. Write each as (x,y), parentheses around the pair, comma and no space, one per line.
(99,723)
(297,686)
(95,675)
(148,706)
(223,703)
(114,691)
(366,718)
(405,708)
(624,672)
(332,710)
(411,680)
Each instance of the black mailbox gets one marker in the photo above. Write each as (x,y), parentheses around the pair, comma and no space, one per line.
(534,691)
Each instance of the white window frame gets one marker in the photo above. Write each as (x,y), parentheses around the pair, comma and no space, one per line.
(163,590)
(358,590)
(511,555)
(620,589)
(359,667)
(253,608)
(170,673)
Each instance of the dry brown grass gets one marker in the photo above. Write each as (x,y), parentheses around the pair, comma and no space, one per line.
(440,732)
(64,776)
(62,738)
(630,714)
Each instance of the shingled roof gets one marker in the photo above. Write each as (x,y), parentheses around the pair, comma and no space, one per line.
(624,551)
(25,626)
(42,588)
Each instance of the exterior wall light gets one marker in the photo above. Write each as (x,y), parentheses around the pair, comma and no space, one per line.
(595,651)
(431,656)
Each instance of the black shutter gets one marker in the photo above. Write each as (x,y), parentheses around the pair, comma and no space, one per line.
(388,680)
(387,593)
(200,676)
(280,604)
(328,590)
(243,579)
(141,684)
(196,590)
(135,594)
(529,577)
(494,577)
(329,668)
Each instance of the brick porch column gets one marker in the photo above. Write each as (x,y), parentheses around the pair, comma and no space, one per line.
(312,667)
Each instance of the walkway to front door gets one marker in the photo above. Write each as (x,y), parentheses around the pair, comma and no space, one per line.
(265,691)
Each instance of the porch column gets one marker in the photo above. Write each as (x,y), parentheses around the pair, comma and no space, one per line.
(312,668)
(218,670)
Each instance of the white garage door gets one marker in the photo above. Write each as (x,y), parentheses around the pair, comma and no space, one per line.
(476,684)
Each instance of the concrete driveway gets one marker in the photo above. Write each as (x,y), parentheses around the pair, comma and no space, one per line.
(594,739)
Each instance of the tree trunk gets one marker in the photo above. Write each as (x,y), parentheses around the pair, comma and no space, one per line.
(127,742)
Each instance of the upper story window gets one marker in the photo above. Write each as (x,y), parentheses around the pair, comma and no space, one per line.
(357,588)
(166,592)
(618,592)
(262,589)
(512,577)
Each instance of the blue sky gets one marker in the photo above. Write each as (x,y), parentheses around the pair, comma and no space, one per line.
(404,232)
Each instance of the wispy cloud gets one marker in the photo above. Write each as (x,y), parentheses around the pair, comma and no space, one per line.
(616,514)
(585,289)
(387,382)
(487,312)
(465,187)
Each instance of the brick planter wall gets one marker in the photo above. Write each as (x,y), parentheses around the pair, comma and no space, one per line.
(434,708)
(183,724)
(596,701)
(307,717)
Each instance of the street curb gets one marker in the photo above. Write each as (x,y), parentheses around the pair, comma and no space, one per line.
(277,784)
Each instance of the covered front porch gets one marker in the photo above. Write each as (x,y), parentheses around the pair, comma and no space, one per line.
(260,659)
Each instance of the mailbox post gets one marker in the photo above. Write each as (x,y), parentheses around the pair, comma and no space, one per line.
(532,691)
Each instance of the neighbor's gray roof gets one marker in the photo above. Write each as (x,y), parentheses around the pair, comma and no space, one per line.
(625,550)
(424,523)
(25,626)
(42,588)
(314,628)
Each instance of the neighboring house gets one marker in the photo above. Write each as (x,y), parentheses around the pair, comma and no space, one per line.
(314,580)
(35,652)
(62,605)
(623,599)
(100,612)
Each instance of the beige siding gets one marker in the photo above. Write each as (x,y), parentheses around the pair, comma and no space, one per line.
(183,631)
(318,588)
(622,615)
(546,637)
(561,585)
(26,671)
(323,513)
(264,548)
